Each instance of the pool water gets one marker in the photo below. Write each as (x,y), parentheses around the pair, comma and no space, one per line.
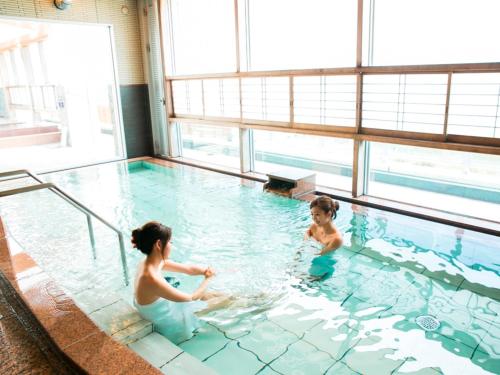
(353,311)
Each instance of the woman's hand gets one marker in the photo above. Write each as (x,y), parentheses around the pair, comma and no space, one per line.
(209,272)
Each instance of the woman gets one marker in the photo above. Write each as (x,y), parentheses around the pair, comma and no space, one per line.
(323,211)
(170,310)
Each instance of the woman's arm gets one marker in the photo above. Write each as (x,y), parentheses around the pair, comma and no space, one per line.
(163,289)
(189,269)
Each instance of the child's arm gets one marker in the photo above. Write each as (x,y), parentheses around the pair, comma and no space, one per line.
(332,245)
(308,234)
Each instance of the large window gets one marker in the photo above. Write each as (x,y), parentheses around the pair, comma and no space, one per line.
(188,97)
(325,100)
(330,158)
(265,98)
(299,73)
(454,181)
(297,34)
(221,97)
(411,102)
(211,144)
(203,36)
(475,105)
(414,32)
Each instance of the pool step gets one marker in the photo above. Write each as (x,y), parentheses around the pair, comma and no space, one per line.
(113,312)
(122,322)
(168,357)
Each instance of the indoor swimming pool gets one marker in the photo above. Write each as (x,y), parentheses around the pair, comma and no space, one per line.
(402,296)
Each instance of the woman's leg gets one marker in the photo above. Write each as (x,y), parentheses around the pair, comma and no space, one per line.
(212,294)
(215,300)
(219,300)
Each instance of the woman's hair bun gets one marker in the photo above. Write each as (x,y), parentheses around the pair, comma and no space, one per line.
(145,237)
(336,205)
(136,238)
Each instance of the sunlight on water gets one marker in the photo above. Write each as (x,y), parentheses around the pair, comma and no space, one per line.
(353,310)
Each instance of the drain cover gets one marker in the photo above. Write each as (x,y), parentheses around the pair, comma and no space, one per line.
(427,322)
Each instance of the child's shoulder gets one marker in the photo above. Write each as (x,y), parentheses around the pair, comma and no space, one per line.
(313,227)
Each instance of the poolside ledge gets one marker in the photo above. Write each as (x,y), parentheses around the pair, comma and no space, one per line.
(72,332)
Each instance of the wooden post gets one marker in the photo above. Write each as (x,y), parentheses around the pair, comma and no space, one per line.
(359,36)
(359,102)
(291,95)
(359,168)
(245,150)
(446,109)
(237,35)
(174,141)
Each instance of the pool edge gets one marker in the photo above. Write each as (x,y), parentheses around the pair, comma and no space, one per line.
(70,330)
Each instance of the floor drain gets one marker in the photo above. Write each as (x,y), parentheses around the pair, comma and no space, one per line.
(427,322)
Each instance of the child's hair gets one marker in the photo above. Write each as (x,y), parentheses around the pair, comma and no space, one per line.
(145,237)
(326,204)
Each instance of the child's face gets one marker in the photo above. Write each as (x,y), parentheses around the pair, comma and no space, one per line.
(319,216)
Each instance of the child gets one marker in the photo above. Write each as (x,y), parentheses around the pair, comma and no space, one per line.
(323,211)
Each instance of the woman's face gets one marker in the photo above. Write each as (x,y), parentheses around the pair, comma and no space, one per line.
(319,216)
(166,250)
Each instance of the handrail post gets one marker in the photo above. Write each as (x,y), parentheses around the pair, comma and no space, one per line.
(123,256)
(91,235)
(77,205)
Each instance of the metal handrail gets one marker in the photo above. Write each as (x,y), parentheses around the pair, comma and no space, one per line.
(75,203)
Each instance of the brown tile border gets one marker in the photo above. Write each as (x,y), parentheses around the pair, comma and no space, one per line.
(213,168)
(99,354)
(69,328)
(183,164)
(2,231)
(131,160)
(19,353)
(468,222)
(429,214)
(164,163)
